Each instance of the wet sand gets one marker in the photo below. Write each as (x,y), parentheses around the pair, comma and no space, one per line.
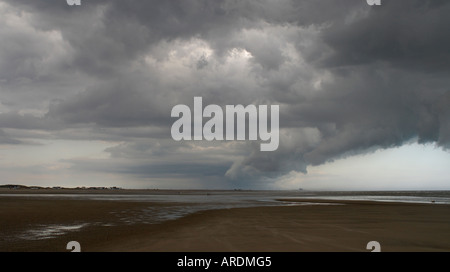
(348,226)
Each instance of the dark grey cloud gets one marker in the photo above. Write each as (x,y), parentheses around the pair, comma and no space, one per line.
(404,34)
(28,122)
(6,139)
(113,105)
(349,78)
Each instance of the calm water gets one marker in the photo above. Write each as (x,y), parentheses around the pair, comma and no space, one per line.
(184,203)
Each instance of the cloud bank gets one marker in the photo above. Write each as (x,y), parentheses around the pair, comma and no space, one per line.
(349,79)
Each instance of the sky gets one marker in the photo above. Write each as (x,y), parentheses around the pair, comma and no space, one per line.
(86,92)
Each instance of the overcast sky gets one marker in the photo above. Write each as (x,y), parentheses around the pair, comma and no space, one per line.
(86,92)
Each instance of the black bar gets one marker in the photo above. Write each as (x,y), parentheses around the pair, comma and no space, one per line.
(224,261)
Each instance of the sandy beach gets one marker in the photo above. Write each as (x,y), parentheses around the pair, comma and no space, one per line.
(340,227)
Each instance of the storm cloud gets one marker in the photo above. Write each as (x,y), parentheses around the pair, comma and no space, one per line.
(349,78)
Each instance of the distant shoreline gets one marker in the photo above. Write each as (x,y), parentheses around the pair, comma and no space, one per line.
(125,191)
(115,191)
